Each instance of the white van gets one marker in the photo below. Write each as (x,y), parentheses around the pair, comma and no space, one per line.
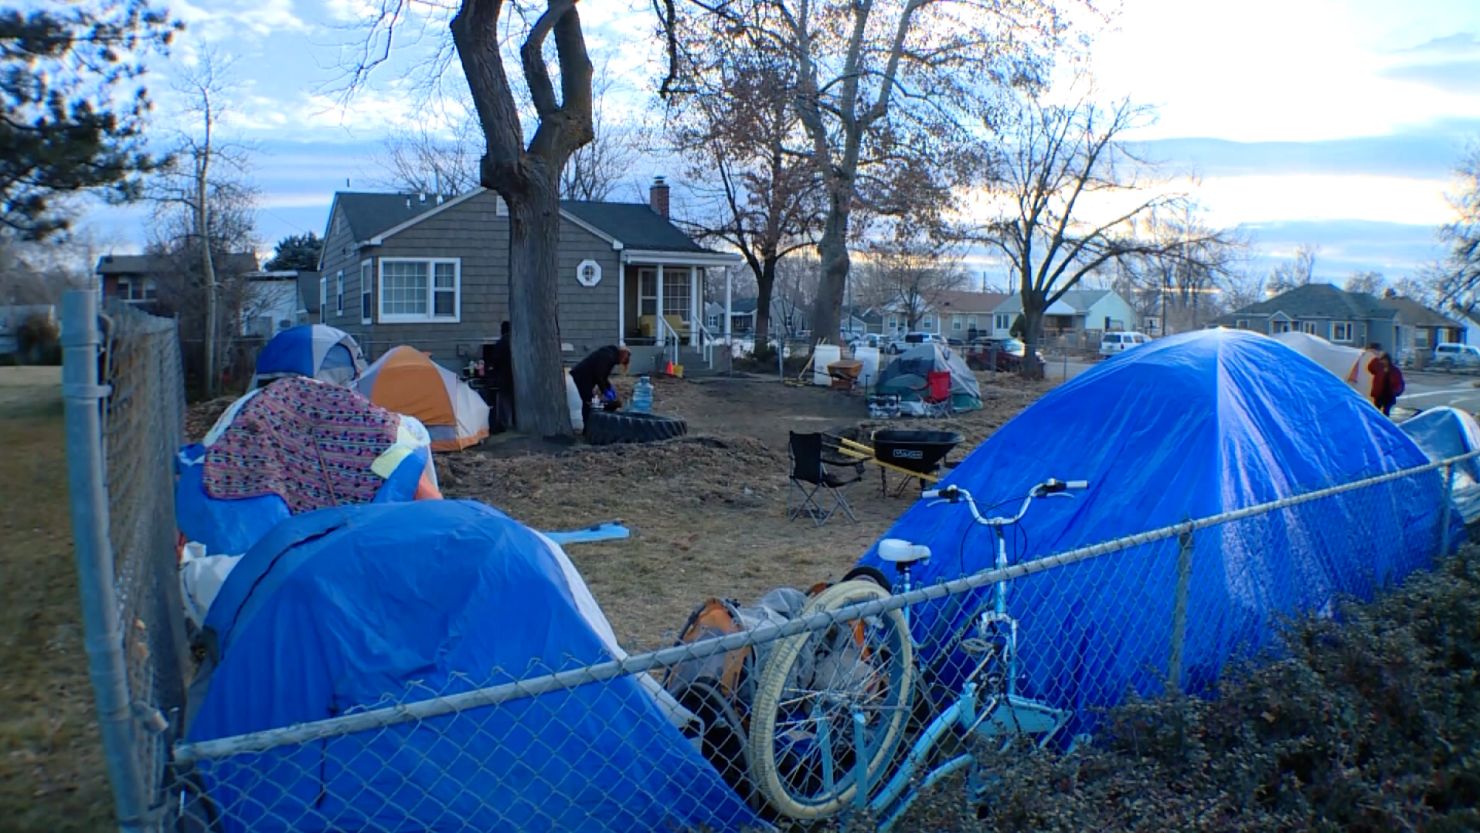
(1112,343)
(1450,354)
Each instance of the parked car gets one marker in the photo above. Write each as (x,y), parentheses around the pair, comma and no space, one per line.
(1451,354)
(874,340)
(922,338)
(993,353)
(1112,343)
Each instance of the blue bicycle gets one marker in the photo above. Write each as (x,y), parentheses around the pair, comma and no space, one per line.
(830,707)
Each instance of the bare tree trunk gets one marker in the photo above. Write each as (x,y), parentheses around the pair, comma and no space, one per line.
(1031,368)
(207,264)
(765,290)
(832,250)
(534,314)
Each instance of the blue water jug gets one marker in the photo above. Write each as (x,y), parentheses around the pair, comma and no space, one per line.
(642,396)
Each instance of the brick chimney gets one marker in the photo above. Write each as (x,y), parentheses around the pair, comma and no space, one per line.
(658,196)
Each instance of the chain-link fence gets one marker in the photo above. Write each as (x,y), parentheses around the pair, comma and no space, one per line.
(845,704)
(125,404)
(839,705)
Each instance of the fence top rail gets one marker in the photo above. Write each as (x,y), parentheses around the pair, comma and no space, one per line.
(186,753)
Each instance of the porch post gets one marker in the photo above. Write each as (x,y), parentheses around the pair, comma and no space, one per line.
(727,308)
(661,321)
(695,305)
(621,302)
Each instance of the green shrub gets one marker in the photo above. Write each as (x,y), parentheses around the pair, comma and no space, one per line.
(38,341)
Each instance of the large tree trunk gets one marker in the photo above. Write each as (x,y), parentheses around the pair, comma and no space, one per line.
(534,246)
(832,250)
(1033,307)
(765,289)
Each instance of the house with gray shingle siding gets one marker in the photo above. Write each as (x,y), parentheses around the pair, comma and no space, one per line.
(1401,325)
(431,271)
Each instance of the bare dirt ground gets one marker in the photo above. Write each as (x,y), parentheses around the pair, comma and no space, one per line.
(707,512)
(51,765)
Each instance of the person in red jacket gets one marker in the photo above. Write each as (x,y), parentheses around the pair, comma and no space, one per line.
(1387,381)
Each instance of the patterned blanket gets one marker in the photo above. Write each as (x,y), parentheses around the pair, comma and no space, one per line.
(308,442)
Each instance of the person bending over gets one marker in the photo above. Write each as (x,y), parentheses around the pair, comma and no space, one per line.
(593,376)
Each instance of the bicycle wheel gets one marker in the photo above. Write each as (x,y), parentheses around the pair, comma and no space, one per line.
(801,745)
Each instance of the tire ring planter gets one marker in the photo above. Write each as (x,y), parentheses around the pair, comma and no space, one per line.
(608,427)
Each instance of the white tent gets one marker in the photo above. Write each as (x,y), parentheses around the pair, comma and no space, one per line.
(1347,363)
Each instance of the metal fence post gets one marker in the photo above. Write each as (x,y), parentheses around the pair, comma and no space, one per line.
(1179,610)
(1444,541)
(102,633)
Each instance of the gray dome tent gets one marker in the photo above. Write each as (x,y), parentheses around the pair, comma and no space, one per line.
(905,376)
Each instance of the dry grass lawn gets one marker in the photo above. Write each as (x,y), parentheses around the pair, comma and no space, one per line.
(51,764)
(707,512)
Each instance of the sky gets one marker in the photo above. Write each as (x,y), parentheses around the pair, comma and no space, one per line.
(1334,124)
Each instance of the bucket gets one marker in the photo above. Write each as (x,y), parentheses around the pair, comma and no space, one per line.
(822,356)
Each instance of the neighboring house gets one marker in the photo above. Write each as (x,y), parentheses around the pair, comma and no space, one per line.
(271,303)
(1079,312)
(308,296)
(136,279)
(432,271)
(967,315)
(786,319)
(1401,325)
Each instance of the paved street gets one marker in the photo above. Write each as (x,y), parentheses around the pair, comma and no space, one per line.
(1432,390)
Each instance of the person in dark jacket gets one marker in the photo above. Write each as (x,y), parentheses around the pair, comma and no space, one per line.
(1387,382)
(498,370)
(593,376)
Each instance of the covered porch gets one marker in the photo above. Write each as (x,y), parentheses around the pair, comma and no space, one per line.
(661,298)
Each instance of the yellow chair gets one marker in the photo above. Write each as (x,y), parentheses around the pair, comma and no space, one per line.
(647,326)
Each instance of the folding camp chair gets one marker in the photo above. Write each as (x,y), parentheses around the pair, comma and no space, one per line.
(936,395)
(810,477)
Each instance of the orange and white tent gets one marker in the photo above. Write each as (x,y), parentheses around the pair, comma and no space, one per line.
(407,381)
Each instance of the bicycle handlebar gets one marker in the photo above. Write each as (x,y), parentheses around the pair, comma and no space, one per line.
(956,494)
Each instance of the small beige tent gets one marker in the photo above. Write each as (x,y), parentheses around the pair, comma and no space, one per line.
(1347,363)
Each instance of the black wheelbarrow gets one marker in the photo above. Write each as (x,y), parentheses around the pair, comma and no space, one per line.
(917,455)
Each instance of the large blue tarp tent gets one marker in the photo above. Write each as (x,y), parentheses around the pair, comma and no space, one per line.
(353,608)
(1187,427)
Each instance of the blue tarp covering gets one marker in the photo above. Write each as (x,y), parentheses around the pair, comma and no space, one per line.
(352,608)
(1187,427)
(1446,433)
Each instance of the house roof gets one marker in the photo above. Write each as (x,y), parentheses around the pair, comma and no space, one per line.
(1318,300)
(1415,314)
(368,214)
(238,262)
(969,302)
(636,224)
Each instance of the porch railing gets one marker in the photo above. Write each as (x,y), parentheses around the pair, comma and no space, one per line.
(669,339)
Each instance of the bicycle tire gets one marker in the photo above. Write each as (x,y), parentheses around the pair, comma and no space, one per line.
(786,677)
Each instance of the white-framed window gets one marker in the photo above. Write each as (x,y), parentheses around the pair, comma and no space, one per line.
(970,322)
(1001,321)
(588,273)
(339,293)
(135,290)
(1420,337)
(413,290)
(927,323)
(676,294)
(1279,325)
(367,272)
(1241,324)
(957,323)
(1311,327)
(1341,331)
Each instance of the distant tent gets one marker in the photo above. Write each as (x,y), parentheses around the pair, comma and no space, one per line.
(358,608)
(1346,363)
(407,381)
(317,351)
(905,376)
(1444,433)
(1189,426)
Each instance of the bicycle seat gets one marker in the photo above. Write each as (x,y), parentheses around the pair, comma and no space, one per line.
(900,551)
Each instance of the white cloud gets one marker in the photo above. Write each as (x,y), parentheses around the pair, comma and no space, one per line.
(229,19)
(1252,199)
